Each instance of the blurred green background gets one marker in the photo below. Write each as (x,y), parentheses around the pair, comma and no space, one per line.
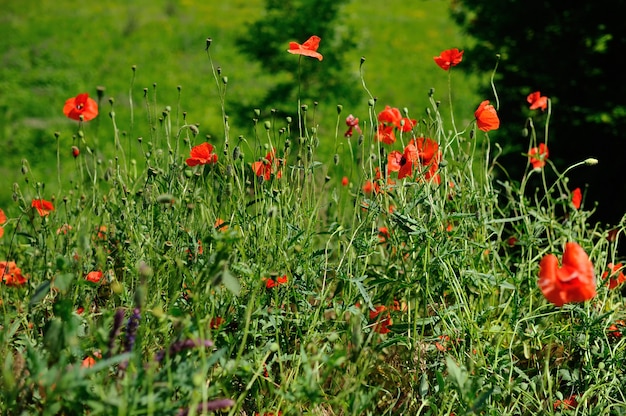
(53,50)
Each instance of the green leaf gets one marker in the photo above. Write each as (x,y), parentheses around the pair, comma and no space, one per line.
(40,293)
(63,282)
(231,282)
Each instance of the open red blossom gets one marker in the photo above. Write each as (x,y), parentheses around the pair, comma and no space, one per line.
(10,274)
(538,156)
(352,123)
(308,48)
(267,166)
(201,154)
(449,58)
(577,198)
(615,275)
(382,323)
(94,276)
(385,134)
(81,105)
(567,403)
(375,184)
(42,206)
(391,117)
(537,101)
(486,117)
(3,219)
(574,281)
(280,280)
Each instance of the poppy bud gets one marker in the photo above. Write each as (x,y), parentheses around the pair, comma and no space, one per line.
(257,112)
(236,153)
(431,92)
(288,120)
(165,199)
(591,161)
(268,125)
(225,80)
(304,107)
(371,102)
(194,129)
(336,159)
(339,108)
(208,43)
(75,151)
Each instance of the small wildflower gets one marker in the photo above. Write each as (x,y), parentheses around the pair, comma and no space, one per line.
(486,117)
(220,225)
(574,281)
(81,107)
(536,100)
(345,181)
(270,283)
(352,123)
(538,156)
(268,166)
(577,198)
(308,48)
(382,323)
(568,403)
(615,275)
(94,276)
(42,206)
(3,220)
(10,274)
(201,154)
(449,58)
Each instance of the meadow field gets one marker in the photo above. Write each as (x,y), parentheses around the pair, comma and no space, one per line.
(159,258)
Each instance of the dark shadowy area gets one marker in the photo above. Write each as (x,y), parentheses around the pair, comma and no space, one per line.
(571,52)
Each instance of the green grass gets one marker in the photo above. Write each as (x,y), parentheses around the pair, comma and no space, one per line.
(183,314)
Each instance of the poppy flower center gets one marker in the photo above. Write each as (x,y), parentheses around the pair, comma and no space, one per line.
(80,106)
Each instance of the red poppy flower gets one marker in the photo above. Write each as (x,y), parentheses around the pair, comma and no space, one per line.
(352,123)
(577,197)
(3,219)
(81,105)
(201,154)
(345,181)
(281,280)
(486,117)
(616,276)
(373,185)
(42,206)
(568,403)
(574,281)
(538,156)
(308,48)
(385,134)
(382,324)
(383,234)
(216,322)
(537,101)
(390,115)
(88,362)
(220,225)
(449,58)
(94,277)
(10,274)
(267,166)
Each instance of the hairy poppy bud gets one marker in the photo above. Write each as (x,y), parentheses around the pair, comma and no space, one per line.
(75,151)
(592,161)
